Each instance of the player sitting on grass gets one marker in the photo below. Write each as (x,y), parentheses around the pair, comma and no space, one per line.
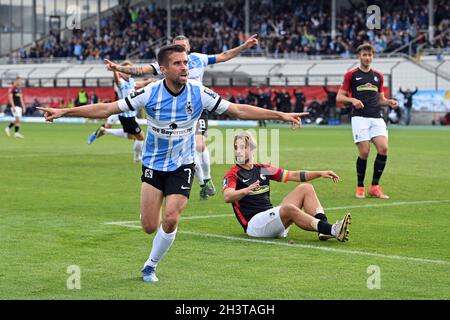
(247,187)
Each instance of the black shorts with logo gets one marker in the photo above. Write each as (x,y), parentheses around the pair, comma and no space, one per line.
(172,182)
(202,125)
(130,125)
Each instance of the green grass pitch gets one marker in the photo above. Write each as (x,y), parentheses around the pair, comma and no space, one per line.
(57,196)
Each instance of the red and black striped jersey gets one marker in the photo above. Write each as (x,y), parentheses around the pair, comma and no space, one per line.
(364,86)
(258,200)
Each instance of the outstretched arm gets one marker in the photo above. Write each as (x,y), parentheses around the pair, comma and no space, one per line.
(302,176)
(230,54)
(248,112)
(94,111)
(133,70)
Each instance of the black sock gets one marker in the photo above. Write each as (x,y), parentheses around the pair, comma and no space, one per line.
(378,167)
(321,217)
(11,125)
(361,165)
(16,128)
(324,227)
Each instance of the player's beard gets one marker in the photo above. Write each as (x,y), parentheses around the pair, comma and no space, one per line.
(365,64)
(182,80)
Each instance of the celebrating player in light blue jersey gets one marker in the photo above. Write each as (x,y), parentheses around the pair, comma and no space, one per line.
(197,63)
(173,106)
(124,85)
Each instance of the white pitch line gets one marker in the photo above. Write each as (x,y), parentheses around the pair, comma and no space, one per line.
(128,224)
(391,204)
(304,246)
(132,224)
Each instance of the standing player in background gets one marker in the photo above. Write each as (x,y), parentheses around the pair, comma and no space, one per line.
(197,65)
(124,85)
(15,98)
(173,106)
(363,88)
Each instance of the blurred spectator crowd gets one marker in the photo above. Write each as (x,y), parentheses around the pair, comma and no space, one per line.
(284,28)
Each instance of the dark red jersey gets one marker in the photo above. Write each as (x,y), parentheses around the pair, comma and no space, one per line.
(365,86)
(16,94)
(258,200)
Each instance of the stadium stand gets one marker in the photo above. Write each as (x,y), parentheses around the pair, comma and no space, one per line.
(283,30)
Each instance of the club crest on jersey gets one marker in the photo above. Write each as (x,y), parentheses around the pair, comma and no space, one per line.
(210,93)
(375,78)
(189,108)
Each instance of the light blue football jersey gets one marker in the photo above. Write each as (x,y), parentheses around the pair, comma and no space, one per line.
(171,118)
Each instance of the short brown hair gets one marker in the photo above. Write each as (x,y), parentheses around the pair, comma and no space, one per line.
(365,47)
(180,38)
(164,52)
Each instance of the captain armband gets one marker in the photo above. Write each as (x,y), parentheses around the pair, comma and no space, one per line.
(302,176)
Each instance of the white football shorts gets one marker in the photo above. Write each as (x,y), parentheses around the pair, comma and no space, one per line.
(364,129)
(267,224)
(17,112)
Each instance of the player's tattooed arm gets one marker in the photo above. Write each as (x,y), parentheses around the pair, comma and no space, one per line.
(136,70)
(133,70)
